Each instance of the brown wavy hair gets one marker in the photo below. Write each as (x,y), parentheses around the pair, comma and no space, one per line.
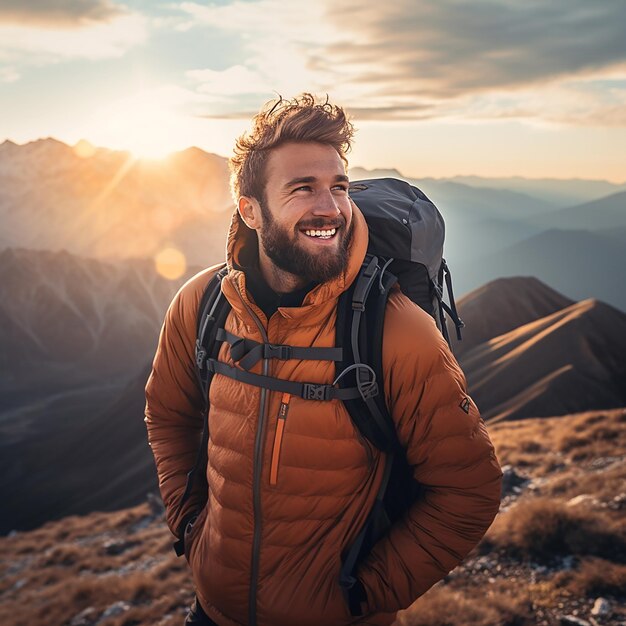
(279,121)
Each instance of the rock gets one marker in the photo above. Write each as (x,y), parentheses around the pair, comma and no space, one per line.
(482,563)
(567,562)
(512,482)
(583,498)
(601,607)
(117,546)
(572,620)
(604,461)
(117,608)
(87,617)
(155,503)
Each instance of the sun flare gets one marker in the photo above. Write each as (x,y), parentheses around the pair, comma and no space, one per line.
(170,263)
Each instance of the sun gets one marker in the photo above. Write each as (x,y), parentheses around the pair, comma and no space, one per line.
(146,123)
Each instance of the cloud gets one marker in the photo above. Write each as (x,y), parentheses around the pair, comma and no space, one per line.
(449,48)
(233,81)
(417,60)
(276,39)
(8,74)
(31,45)
(55,13)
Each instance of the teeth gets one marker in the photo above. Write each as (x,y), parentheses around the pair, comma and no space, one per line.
(321,233)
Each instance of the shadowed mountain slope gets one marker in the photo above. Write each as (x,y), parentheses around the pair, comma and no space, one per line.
(69,320)
(90,453)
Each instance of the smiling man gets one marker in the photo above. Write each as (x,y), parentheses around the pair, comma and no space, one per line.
(290,480)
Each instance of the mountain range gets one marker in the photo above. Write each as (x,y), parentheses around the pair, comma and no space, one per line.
(110,206)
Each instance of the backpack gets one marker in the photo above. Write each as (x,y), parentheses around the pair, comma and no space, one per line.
(406,246)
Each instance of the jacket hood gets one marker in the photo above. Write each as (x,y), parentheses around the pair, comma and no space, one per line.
(242,249)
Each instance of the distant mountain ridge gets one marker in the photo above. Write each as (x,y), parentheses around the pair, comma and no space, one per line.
(571,360)
(109,205)
(501,306)
(601,214)
(579,263)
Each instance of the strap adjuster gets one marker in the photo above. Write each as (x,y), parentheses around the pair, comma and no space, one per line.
(368,390)
(201,355)
(316,392)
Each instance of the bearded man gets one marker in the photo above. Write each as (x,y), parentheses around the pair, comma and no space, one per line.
(290,481)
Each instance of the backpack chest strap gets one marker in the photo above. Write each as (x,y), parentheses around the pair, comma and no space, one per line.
(249,352)
(308,391)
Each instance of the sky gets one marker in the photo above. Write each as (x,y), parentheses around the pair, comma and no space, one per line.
(439,88)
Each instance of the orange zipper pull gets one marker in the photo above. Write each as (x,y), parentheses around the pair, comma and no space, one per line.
(278,437)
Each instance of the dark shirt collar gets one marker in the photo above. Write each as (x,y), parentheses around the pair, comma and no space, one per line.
(266,298)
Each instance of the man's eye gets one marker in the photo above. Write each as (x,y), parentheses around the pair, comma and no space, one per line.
(341,187)
(305,187)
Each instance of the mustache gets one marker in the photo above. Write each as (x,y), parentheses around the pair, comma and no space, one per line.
(319,223)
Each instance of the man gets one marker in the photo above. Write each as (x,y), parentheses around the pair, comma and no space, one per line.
(290,481)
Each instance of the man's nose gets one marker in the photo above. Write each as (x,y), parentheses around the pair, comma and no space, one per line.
(326,204)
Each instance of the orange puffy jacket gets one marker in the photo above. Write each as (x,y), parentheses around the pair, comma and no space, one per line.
(284,502)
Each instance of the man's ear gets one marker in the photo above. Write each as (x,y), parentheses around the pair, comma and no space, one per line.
(250,212)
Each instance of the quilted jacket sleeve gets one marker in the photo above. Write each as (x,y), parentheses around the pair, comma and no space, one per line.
(450,452)
(173,413)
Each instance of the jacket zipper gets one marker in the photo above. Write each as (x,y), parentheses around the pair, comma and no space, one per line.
(256,481)
(278,437)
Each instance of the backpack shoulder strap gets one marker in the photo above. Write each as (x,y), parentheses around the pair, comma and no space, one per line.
(212,313)
(359,332)
(360,322)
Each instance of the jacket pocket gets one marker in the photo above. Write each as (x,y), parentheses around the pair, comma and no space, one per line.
(278,437)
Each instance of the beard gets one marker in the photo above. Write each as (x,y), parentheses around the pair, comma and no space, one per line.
(283,248)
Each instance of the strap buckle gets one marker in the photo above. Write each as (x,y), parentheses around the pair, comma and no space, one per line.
(272,351)
(316,392)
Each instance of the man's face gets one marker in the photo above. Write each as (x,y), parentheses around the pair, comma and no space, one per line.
(307,215)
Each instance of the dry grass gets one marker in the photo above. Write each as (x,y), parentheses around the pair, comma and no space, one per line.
(542,529)
(594,577)
(87,562)
(443,606)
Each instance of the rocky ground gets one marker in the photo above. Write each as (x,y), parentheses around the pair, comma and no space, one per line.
(556,554)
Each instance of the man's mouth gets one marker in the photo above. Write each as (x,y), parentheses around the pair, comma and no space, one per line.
(327,233)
